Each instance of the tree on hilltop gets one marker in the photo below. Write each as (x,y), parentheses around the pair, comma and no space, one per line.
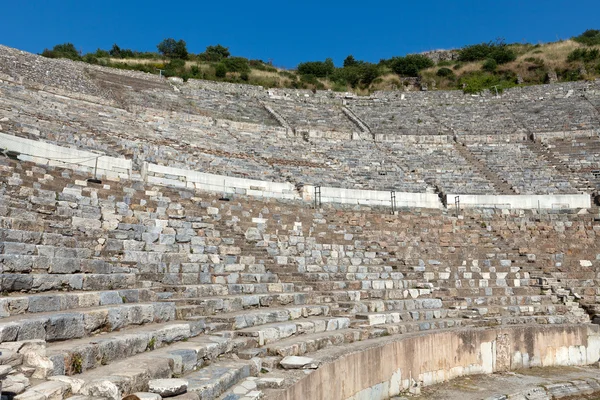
(350,61)
(216,53)
(65,50)
(174,49)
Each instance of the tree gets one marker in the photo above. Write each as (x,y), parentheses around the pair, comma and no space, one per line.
(216,53)
(350,61)
(320,69)
(65,50)
(115,51)
(410,65)
(591,37)
(497,51)
(173,49)
(220,71)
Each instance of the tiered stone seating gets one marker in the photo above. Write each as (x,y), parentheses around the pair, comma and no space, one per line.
(521,168)
(229,106)
(108,286)
(258,279)
(306,115)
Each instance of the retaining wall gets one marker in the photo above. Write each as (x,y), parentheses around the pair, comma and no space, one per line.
(49,154)
(522,201)
(390,368)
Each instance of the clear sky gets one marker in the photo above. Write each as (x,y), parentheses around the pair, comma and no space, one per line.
(288,32)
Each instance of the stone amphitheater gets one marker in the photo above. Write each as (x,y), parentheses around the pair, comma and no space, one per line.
(204,240)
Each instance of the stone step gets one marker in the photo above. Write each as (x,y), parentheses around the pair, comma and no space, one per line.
(15,304)
(357,295)
(367,306)
(78,323)
(181,359)
(261,316)
(33,283)
(312,343)
(269,333)
(212,381)
(371,319)
(79,355)
(214,305)
(216,289)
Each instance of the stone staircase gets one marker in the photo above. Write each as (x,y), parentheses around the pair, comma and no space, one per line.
(580,182)
(501,186)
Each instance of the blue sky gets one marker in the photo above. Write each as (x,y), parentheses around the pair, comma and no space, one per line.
(289,32)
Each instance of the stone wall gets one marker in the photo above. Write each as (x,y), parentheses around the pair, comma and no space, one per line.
(388,369)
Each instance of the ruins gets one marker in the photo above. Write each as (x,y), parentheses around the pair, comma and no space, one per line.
(206,240)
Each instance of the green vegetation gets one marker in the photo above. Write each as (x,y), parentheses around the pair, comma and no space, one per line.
(585,55)
(473,68)
(591,37)
(478,81)
(409,65)
(497,51)
(65,50)
(77,363)
(173,49)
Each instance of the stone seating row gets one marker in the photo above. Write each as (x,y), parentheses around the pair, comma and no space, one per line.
(364,165)
(523,170)
(210,312)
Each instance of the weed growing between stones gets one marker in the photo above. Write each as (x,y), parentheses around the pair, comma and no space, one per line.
(151,344)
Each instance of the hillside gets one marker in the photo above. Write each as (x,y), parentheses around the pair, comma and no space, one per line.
(472,68)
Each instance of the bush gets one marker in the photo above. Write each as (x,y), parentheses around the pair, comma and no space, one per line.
(498,51)
(236,64)
(490,65)
(444,72)
(65,50)
(320,69)
(591,37)
(410,65)
(215,53)
(220,71)
(585,55)
(171,48)
(478,81)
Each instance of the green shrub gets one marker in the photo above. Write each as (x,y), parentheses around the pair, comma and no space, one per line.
(410,65)
(535,60)
(478,81)
(215,53)
(320,69)
(498,51)
(591,37)
(172,48)
(490,65)
(444,63)
(585,55)
(220,71)
(65,50)
(236,64)
(262,66)
(444,72)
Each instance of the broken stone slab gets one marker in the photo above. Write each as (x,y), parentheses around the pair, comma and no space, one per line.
(269,383)
(295,362)
(75,383)
(47,390)
(100,388)
(168,387)
(4,370)
(143,396)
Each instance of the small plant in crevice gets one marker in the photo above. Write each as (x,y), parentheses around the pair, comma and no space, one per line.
(76,363)
(151,344)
